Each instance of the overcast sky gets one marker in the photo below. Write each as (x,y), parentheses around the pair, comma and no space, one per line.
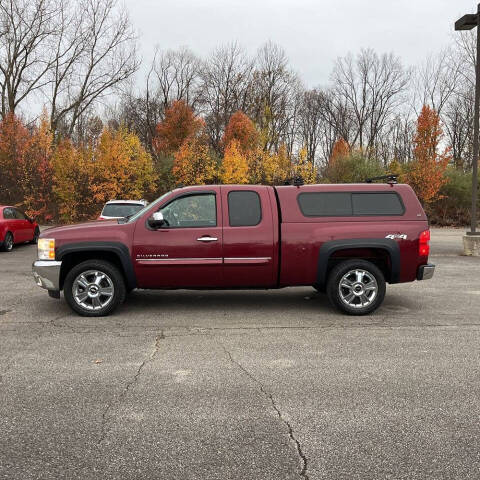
(313,33)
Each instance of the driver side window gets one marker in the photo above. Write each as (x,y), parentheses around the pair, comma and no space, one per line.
(191,211)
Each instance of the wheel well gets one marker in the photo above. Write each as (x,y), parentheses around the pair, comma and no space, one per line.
(71,259)
(377,256)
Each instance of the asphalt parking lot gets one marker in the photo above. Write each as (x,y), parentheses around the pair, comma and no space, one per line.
(243,385)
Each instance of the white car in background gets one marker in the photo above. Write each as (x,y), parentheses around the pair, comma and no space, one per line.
(115,209)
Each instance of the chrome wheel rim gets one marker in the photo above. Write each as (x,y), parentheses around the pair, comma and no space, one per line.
(358,288)
(93,290)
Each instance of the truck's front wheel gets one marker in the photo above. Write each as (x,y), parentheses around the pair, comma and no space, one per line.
(357,287)
(94,288)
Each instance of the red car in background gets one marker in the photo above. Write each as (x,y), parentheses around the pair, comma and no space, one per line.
(16,227)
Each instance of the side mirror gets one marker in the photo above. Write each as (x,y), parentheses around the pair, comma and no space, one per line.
(156,220)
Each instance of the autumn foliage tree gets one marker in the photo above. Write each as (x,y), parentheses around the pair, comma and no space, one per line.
(305,169)
(194,163)
(279,166)
(241,129)
(38,200)
(14,146)
(71,186)
(86,176)
(337,167)
(426,173)
(269,168)
(179,124)
(340,150)
(122,168)
(234,164)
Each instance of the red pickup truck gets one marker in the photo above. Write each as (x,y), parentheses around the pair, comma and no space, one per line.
(345,240)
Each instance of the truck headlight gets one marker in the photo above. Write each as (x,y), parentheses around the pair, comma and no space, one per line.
(46,249)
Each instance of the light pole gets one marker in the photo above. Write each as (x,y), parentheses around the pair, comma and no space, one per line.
(467,22)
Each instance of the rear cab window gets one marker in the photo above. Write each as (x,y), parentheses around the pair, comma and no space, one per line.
(244,208)
(350,204)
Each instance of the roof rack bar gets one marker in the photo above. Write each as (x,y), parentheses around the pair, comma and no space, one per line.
(297,181)
(391,178)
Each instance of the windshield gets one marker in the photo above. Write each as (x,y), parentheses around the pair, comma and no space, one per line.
(120,209)
(147,207)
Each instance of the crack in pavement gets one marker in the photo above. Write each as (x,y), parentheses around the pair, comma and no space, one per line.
(269,396)
(105,416)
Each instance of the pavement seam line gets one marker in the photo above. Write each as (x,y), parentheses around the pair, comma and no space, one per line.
(269,396)
(105,416)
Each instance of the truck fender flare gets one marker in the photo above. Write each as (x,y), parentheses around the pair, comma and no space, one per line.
(118,248)
(330,247)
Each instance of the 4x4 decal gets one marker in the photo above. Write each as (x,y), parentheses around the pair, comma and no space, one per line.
(397,236)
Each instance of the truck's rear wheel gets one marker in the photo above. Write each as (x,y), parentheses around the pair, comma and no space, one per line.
(356,287)
(94,288)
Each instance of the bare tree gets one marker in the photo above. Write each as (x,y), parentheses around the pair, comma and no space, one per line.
(178,76)
(226,83)
(395,143)
(311,121)
(141,113)
(465,54)
(371,88)
(95,51)
(458,122)
(26,30)
(436,80)
(276,87)
(458,115)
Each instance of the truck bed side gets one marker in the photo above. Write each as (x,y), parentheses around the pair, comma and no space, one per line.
(310,244)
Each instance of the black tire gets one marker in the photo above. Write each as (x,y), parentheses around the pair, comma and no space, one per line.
(7,244)
(115,278)
(36,234)
(339,297)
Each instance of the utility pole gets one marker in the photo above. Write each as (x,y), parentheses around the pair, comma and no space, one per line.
(471,241)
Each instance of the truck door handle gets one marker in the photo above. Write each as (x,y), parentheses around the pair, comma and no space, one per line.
(207,239)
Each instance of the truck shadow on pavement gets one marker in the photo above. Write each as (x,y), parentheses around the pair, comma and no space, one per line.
(242,301)
(291,306)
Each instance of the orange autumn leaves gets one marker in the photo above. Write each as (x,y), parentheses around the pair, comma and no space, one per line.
(242,160)
(246,161)
(426,174)
(57,178)
(179,124)
(26,170)
(70,182)
(235,164)
(87,176)
(194,163)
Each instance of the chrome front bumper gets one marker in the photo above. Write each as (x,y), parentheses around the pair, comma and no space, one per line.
(47,274)
(425,272)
